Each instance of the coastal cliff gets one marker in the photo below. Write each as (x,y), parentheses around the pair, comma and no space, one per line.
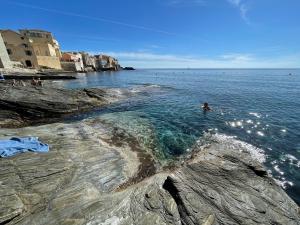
(101,171)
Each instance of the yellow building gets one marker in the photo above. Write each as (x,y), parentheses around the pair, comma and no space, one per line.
(45,47)
(19,48)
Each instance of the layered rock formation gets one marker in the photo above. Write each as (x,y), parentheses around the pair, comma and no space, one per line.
(21,106)
(90,176)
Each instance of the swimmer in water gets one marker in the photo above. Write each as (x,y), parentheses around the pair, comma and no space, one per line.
(205,107)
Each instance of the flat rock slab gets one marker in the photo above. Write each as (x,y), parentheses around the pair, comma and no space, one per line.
(41,76)
(81,164)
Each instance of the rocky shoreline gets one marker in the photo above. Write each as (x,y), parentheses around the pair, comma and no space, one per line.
(29,105)
(99,171)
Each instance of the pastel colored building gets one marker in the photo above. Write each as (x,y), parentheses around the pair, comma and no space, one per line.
(89,61)
(19,48)
(35,49)
(45,47)
(72,61)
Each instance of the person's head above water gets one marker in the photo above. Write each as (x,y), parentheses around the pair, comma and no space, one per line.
(205,106)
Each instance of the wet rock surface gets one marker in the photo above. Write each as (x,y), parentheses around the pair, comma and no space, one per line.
(79,180)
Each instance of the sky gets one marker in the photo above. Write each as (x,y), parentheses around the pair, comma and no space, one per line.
(169,33)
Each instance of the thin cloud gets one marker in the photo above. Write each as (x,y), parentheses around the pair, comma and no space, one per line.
(242,7)
(88,37)
(236,57)
(66,13)
(152,60)
(185,2)
(235,2)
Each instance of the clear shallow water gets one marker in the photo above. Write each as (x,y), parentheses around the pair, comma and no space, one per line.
(259,107)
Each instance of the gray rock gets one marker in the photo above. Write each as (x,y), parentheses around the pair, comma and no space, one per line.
(81,181)
(27,105)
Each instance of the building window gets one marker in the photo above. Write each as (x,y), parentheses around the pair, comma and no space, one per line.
(9,51)
(22,37)
(25,45)
(28,52)
(28,63)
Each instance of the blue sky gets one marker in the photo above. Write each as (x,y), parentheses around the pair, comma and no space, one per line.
(169,33)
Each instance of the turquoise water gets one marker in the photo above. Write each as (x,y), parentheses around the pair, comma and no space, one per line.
(259,107)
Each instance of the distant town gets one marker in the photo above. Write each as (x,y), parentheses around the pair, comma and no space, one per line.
(38,50)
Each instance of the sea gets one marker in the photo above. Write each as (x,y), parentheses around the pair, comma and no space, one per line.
(257,107)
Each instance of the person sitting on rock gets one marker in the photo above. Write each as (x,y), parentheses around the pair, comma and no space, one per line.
(33,82)
(14,83)
(22,83)
(205,107)
(39,82)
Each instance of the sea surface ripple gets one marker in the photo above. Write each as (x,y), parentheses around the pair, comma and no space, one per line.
(259,108)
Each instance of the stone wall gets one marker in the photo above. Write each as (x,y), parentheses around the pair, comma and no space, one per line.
(71,66)
(20,49)
(4,58)
(52,62)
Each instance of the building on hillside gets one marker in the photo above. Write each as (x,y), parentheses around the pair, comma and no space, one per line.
(45,47)
(89,61)
(105,62)
(19,49)
(72,61)
(4,58)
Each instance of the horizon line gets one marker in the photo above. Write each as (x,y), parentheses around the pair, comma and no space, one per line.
(234,68)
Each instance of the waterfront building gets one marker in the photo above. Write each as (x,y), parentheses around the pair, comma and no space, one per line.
(72,61)
(19,49)
(46,48)
(89,61)
(34,49)
(4,58)
(38,49)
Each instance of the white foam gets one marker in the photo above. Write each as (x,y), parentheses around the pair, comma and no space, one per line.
(255,114)
(256,153)
(144,88)
(291,157)
(283,183)
(260,133)
(249,121)
(277,169)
